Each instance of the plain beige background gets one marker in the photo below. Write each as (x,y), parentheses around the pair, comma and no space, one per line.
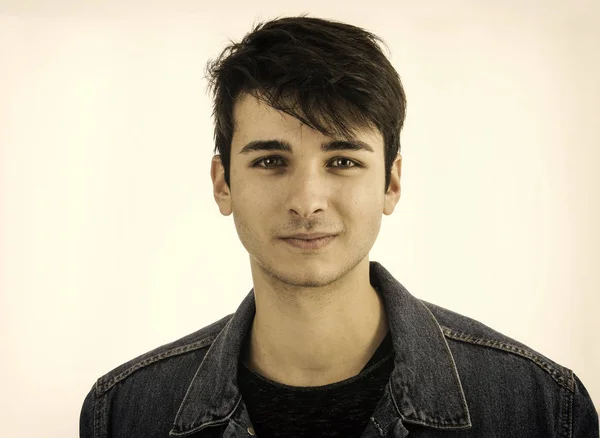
(112,244)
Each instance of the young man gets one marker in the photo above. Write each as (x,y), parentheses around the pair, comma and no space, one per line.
(326,344)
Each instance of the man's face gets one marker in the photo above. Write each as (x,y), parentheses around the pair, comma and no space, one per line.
(306,191)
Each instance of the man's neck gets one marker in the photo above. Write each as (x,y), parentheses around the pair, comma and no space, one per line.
(333,344)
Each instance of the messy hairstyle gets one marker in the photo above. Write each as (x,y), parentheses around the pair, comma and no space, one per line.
(331,76)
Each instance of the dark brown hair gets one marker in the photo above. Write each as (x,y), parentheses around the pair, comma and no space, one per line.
(331,76)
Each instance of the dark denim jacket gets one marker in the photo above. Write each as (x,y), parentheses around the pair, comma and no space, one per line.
(453,377)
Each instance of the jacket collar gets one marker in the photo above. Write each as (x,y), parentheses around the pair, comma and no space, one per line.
(424,385)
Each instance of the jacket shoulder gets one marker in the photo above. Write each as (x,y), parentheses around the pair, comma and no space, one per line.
(194,343)
(460,328)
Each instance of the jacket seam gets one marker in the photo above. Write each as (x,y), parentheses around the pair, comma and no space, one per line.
(104,385)
(100,421)
(567,410)
(557,375)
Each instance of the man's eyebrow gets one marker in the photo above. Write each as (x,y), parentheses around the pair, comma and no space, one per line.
(284,146)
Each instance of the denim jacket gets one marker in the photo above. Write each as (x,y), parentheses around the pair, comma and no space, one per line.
(452,377)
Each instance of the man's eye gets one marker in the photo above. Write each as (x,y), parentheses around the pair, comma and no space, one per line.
(337,159)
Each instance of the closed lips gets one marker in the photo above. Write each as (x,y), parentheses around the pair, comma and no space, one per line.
(308,237)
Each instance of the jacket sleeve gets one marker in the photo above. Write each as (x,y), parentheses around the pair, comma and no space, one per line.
(585,417)
(86,418)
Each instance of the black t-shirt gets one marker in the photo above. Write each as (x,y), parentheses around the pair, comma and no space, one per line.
(341,409)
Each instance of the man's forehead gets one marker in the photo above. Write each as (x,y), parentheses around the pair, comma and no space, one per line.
(250,111)
(254,118)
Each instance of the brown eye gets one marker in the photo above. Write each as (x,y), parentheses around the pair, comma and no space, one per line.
(354,163)
(262,160)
